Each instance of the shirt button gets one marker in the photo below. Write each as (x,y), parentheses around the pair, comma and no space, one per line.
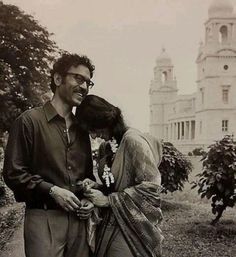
(69,167)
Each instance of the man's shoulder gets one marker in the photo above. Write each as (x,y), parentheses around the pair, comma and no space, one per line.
(32,114)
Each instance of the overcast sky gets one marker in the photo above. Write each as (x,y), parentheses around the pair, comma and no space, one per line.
(123,38)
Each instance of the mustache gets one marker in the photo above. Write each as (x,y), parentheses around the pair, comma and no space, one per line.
(81,91)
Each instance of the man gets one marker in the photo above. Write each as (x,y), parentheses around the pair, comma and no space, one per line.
(46,155)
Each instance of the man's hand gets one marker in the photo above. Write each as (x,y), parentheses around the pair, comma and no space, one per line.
(97,197)
(85,211)
(65,198)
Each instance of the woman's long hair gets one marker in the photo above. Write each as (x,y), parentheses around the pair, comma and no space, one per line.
(96,113)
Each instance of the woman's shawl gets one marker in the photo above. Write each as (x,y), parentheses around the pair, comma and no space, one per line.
(136,206)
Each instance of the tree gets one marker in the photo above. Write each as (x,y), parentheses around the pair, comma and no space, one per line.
(218,178)
(26,52)
(174,168)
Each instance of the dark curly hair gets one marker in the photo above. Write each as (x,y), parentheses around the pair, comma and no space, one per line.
(97,113)
(63,64)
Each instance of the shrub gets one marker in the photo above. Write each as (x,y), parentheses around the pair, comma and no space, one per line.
(218,178)
(198,151)
(2,189)
(174,168)
(6,195)
(10,217)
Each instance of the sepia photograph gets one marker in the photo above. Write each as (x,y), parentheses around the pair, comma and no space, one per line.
(117,128)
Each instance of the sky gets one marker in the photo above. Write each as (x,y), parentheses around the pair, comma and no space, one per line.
(123,38)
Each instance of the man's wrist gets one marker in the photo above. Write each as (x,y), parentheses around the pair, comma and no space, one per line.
(52,191)
(43,187)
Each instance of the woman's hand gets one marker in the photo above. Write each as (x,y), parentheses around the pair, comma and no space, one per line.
(97,197)
(88,184)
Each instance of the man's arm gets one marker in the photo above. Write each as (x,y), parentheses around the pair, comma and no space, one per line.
(18,171)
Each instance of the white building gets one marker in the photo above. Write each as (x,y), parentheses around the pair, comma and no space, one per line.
(190,121)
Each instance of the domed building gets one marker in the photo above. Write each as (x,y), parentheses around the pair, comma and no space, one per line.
(198,119)
(221,9)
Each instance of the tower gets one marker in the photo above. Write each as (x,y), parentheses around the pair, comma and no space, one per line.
(216,79)
(163,90)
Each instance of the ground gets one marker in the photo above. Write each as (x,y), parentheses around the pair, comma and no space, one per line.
(186,228)
(188,232)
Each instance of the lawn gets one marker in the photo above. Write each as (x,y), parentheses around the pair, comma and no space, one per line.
(187,228)
(188,232)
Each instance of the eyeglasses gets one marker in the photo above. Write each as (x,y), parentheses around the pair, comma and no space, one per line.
(80,79)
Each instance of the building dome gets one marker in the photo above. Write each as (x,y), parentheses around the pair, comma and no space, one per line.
(163,58)
(220,9)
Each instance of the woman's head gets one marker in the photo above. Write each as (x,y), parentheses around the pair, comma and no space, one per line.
(101,118)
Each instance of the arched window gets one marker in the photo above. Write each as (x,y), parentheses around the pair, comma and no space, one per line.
(209,34)
(164,76)
(223,34)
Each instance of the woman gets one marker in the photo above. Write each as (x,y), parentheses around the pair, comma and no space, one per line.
(130,197)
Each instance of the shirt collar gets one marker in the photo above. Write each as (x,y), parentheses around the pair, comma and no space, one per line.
(51,112)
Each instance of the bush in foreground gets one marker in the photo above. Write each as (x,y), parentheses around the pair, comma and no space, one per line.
(199,151)
(218,178)
(174,168)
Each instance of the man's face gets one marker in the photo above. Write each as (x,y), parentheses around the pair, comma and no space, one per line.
(74,86)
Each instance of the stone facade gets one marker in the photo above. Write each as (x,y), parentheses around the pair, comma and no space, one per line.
(197,120)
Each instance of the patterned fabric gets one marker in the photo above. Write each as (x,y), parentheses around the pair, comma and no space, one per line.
(136,202)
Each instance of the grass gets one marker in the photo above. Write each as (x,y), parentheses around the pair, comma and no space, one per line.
(187,228)
(188,232)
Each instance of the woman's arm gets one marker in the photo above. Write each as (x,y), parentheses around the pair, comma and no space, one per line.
(144,164)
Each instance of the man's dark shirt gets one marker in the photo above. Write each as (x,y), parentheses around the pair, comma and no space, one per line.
(40,154)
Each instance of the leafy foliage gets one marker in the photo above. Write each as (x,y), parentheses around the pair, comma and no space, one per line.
(198,151)
(218,178)
(174,168)
(10,217)
(26,51)
(2,190)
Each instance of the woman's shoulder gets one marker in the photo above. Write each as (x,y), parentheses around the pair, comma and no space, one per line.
(131,135)
(134,135)
(133,138)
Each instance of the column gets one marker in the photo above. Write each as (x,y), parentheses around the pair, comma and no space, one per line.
(190,129)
